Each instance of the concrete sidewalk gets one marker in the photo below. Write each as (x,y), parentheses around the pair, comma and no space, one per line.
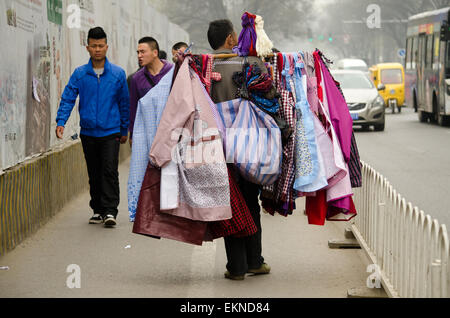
(117,263)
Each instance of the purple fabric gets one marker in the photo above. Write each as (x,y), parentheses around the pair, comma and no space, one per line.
(140,86)
(339,113)
(247,37)
(343,203)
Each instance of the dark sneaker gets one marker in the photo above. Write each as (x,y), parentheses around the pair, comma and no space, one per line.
(263,269)
(233,277)
(110,220)
(96,219)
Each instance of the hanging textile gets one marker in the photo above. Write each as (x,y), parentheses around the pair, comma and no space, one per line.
(307,165)
(277,198)
(209,75)
(252,142)
(247,38)
(316,208)
(241,224)
(355,165)
(263,44)
(203,176)
(169,186)
(287,112)
(333,203)
(148,115)
(313,98)
(338,108)
(149,221)
(339,199)
(257,87)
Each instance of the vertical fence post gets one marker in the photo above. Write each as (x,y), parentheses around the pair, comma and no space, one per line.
(411,249)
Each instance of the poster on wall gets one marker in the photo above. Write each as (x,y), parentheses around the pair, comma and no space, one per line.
(54,11)
(24,84)
(41,54)
(128,39)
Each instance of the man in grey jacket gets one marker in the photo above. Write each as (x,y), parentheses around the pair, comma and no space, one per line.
(244,255)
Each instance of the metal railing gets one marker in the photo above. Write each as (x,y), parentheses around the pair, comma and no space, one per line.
(410,248)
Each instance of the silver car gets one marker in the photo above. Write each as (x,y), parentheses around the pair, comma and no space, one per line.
(364,102)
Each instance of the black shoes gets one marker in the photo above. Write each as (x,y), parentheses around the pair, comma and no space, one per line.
(96,219)
(233,277)
(263,269)
(110,220)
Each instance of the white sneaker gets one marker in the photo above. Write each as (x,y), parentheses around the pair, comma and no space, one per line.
(96,219)
(110,220)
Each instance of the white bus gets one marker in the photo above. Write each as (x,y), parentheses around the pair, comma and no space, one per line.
(427,65)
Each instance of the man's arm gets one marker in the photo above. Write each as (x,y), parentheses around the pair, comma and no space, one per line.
(133,105)
(66,105)
(124,108)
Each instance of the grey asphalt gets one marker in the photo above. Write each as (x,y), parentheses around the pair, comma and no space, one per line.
(415,158)
(117,263)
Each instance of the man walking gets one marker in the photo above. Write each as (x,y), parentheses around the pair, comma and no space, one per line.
(176,47)
(244,255)
(153,69)
(104,119)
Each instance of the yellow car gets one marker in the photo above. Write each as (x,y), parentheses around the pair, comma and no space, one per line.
(389,78)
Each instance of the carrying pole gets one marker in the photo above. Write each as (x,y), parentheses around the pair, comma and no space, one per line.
(230,55)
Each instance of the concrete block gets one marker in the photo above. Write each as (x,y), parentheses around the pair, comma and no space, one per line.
(344,243)
(365,292)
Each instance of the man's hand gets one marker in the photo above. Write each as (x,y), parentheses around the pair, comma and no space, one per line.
(123,139)
(59,132)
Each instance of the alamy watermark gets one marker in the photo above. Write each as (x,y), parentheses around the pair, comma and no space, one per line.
(374,279)
(373,20)
(74,279)
(74,18)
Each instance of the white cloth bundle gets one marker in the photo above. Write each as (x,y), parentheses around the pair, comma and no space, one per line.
(263,44)
(169,186)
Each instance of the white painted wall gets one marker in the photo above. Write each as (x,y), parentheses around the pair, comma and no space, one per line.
(34,47)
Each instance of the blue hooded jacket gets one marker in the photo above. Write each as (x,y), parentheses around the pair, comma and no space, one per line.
(104,100)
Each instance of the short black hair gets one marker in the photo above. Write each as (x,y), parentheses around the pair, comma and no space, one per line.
(151,42)
(162,55)
(96,33)
(218,32)
(179,45)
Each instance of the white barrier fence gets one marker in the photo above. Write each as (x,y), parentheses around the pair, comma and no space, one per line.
(409,247)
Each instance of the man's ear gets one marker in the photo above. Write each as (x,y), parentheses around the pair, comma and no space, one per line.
(229,41)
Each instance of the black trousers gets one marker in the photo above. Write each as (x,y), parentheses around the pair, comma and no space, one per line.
(102,160)
(245,253)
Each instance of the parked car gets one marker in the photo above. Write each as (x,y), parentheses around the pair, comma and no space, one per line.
(352,64)
(364,102)
(392,77)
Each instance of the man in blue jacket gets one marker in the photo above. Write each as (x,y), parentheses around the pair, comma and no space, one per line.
(104,118)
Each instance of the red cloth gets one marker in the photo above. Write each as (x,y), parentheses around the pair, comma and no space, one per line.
(241,224)
(280,68)
(252,51)
(318,75)
(316,208)
(151,222)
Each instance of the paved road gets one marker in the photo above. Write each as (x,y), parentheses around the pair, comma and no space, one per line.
(302,264)
(415,158)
